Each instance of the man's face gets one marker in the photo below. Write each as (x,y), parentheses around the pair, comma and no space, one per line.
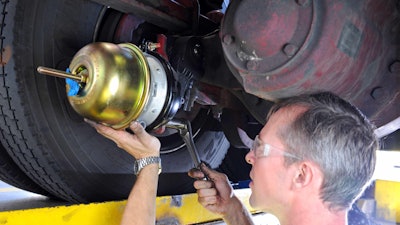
(271,180)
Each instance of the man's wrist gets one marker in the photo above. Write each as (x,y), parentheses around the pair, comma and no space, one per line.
(235,206)
(237,213)
(139,164)
(156,154)
(149,170)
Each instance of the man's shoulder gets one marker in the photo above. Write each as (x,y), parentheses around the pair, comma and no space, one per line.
(356,217)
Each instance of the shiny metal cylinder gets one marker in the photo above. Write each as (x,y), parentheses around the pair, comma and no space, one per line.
(118,83)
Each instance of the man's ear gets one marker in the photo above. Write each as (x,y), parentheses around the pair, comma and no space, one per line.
(304,175)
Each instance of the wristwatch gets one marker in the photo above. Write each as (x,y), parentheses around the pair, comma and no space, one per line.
(141,163)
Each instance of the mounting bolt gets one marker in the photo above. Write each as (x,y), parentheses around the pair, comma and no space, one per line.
(252,65)
(290,49)
(394,67)
(197,49)
(378,93)
(227,39)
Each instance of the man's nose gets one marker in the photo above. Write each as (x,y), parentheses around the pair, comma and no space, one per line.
(250,157)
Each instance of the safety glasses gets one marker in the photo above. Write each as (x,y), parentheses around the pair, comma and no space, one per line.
(262,149)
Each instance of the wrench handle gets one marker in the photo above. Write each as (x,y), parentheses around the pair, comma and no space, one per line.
(185,131)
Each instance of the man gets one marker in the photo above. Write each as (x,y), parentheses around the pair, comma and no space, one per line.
(314,156)
(312,159)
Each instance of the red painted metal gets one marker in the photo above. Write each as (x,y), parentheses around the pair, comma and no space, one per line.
(172,15)
(284,48)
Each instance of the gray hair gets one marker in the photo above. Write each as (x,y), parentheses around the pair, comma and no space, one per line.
(336,136)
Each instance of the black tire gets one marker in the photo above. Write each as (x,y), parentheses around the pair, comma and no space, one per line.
(13,175)
(44,136)
(9,170)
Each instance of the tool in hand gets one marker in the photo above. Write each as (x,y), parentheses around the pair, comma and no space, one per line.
(185,131)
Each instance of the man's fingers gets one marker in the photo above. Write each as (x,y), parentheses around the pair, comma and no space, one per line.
(208,200)
(196,173)
(207,192)
(134,126)
(99,127)
(107,132)
(202,184)
(137,128)
(207,171)
(90,122)
(140,132)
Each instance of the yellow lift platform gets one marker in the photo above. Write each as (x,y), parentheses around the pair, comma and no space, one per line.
(184,209)
(171,210)
(176,210)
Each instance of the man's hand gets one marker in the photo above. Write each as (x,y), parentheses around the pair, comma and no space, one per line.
(216,193)
(139,145)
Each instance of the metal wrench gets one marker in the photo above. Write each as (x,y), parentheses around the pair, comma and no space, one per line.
(185,130)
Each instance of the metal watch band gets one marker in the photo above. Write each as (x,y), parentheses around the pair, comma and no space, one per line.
(141,163)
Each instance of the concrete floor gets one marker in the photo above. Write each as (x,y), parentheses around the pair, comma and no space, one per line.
(12,198)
